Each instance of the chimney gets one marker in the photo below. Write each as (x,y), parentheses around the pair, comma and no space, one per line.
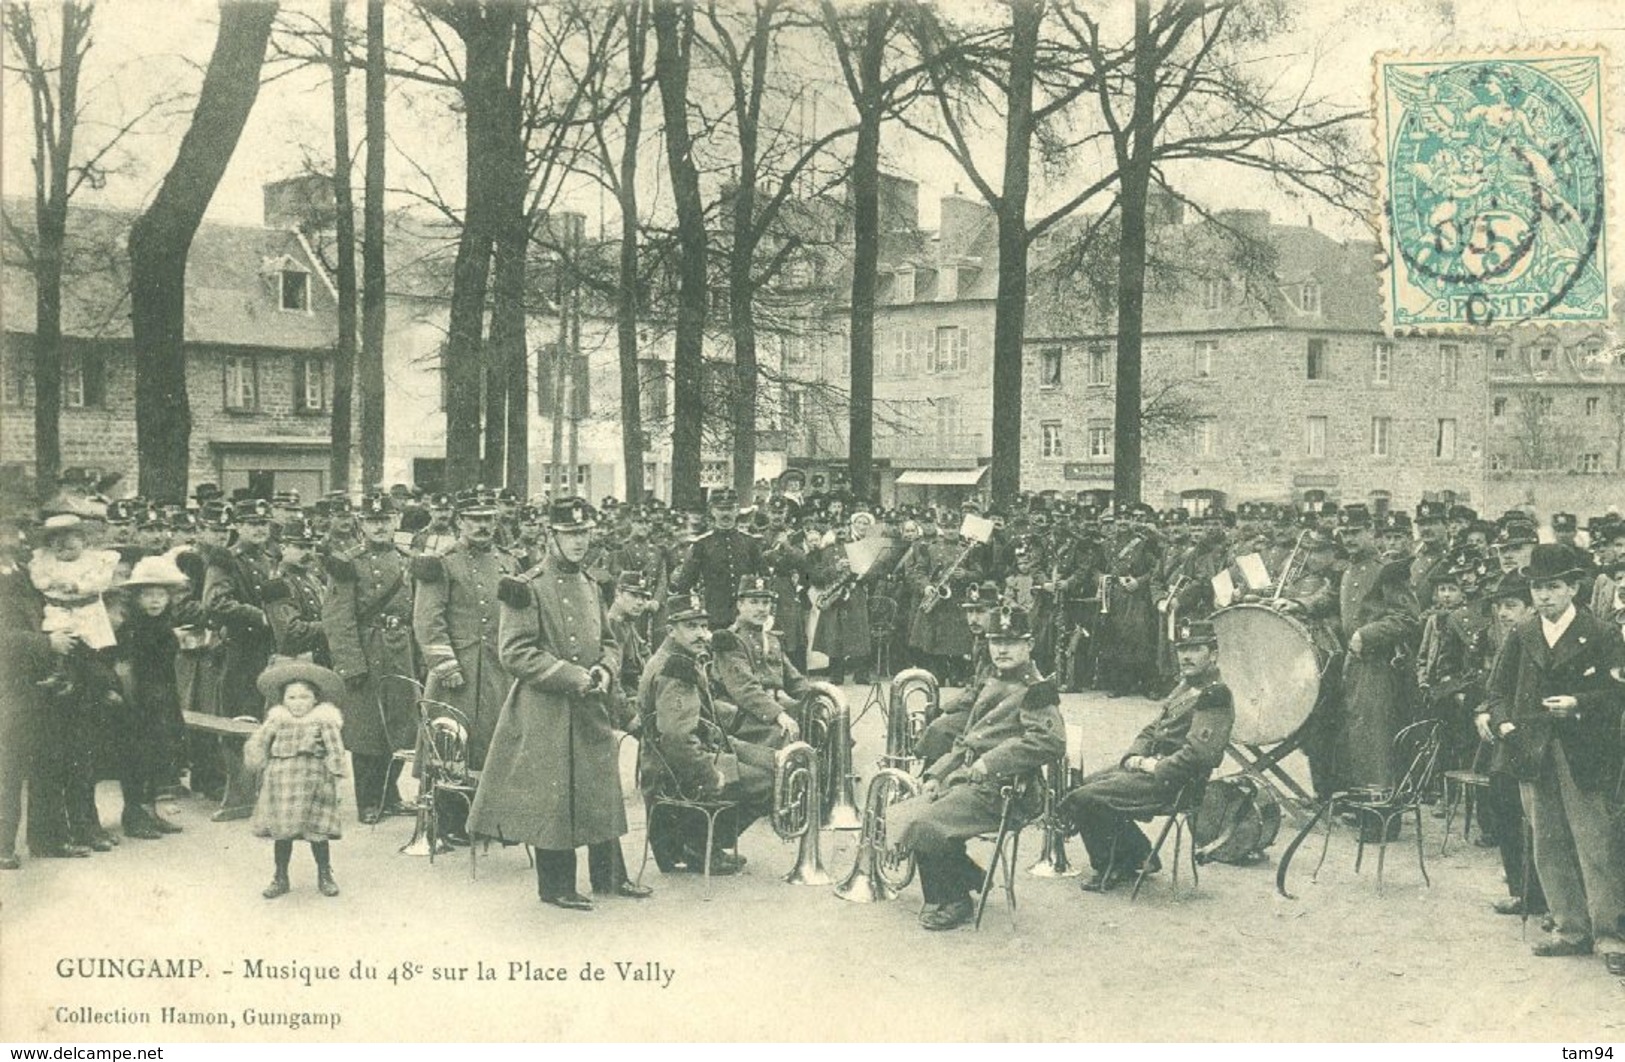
(899,204)
(1253,223)
(300,204)
(961,219)
(1162,207)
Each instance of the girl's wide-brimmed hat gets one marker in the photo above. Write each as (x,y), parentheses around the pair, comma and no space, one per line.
(156,571)
(274,679)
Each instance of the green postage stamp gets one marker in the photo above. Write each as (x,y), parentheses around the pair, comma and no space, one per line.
(1494,198)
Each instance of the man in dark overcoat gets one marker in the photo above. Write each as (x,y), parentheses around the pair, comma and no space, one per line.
(552,778)
(1555,704)
(1175,753)
(1014,728)
(233,600)
(367,617)
(455,618)
(293,599)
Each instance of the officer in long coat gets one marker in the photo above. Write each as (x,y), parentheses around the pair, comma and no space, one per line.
(1014,728)
(456,618)
(1380,629)
(1128,635)
(233,599)
(552,777)
(367,616)
(718,558)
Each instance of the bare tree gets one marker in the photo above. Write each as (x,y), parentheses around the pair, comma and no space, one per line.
(674,38)
(62,166)
(162,236)
(373,311)
(344,222)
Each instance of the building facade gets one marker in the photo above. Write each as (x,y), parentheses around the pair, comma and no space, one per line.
(261,325)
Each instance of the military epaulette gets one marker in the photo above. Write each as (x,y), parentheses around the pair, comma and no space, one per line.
(340,568)
(1042,694)
(275,590)
(515,593)
(725,641)
(681,668)
(428,570)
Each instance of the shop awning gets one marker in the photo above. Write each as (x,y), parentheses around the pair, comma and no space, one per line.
(942,477)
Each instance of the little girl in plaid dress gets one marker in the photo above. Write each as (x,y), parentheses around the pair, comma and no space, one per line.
(300,749)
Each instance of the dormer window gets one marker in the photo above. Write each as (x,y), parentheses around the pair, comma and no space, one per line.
(903,286)
(1309,297)
(295,290)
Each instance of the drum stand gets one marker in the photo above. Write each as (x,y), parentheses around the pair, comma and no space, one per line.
(1267,765)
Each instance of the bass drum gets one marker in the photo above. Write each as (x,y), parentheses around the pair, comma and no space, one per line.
(1273,668)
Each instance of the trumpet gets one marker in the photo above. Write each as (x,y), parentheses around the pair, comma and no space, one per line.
(827,714)
(915,698)
(796,788)
(880,871)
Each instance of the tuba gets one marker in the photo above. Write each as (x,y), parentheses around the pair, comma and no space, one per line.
(796,810)
(443,756)
(914,700)
(881,871)
(827,715)
(1052,858)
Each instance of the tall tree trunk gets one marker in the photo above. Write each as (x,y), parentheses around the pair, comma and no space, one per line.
(508,343)
(486,32)
(742,320)
(1135,178)
(344,352)
(1010,316)
(494,408)
(865,255)
(372,258)
(674,34)
(162,236)
(633,439)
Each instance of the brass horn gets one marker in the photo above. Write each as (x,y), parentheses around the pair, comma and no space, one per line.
(796,810)
(881,871)
(827,712)
(1052,858)
(915,698)
(442,757)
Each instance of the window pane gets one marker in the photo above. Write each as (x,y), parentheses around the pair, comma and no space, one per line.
(1444,446)
(295,290)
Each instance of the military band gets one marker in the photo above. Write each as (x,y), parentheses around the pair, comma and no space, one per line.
(550,630)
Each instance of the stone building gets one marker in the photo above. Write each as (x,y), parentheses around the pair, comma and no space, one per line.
(261,324)
(1267,377)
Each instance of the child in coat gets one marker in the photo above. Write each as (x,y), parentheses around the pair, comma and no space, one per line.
(152,721)
(301,751)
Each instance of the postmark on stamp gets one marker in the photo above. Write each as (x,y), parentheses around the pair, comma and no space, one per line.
(1494,188)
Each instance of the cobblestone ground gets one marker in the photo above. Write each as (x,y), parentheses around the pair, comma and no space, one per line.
(767,960)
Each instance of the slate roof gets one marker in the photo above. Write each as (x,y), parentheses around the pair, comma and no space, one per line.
(233,294)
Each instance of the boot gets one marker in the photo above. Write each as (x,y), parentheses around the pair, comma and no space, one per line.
(278,886)
(325,882)
(140,826)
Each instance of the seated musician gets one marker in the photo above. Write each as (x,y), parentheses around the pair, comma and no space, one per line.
(755,673)
(685,753)
(980,602)
(632,602)
(1177,751)
(1014,727)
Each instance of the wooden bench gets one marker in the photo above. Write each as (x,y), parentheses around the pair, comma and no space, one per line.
(241,786)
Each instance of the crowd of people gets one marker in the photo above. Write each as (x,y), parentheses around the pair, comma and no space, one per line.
(551,628)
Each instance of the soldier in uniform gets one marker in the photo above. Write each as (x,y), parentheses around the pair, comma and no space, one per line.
(1175,753)
(633,601)
(233,598)
(1128,649)
(440,534)
(200,661)
(981,601)
(367,616)
(755,674)
(718,558)
(639,552)
(1379,627)
(936,630)
(685,752)
(455,618)
(551,776)
(293,600)
(1013,729)
(785,565)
